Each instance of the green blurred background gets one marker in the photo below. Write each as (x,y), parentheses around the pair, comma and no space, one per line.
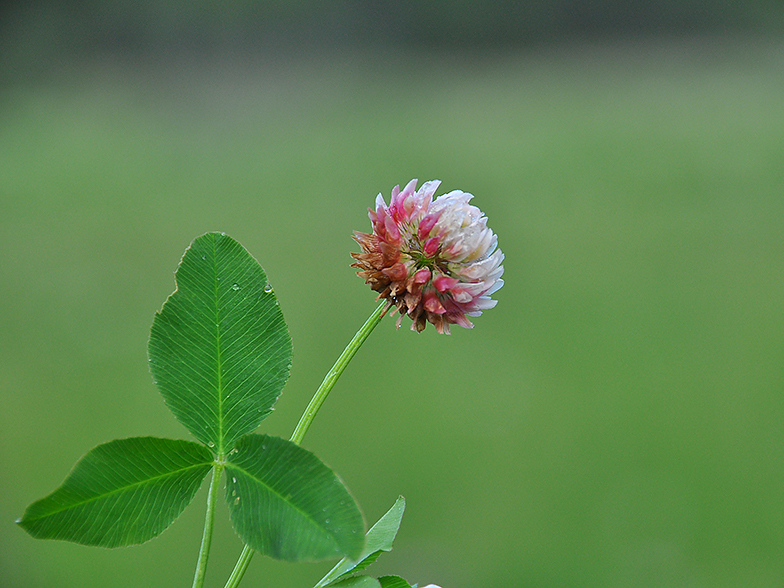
(616,421)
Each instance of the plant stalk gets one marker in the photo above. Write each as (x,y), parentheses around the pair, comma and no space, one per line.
(209,520)
(239,569)
(332,375)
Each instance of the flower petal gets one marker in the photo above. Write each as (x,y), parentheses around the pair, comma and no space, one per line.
(435,260)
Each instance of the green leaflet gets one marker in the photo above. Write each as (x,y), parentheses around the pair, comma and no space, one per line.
(393,582)
(358,582)
(285,503)
(369,582)
(123,492)
(379,538)
(219,348)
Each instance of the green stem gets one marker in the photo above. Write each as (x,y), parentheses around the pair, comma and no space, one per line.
(209,519)
(310,413)
(240,567)
(332,376)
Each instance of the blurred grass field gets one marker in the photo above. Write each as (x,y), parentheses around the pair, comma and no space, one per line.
(616,421)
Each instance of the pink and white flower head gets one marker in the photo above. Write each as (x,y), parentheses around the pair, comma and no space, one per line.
(435,260)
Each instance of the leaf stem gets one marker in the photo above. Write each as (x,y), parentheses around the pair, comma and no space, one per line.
(312,410)
(209,519)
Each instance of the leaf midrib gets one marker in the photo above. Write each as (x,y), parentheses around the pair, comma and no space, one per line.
(219,363)
(116,490)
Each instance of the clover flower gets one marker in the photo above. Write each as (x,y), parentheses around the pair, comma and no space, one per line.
(434,260)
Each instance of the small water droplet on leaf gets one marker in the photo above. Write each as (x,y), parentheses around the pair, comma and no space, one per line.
(236,501)
(235,287)
(268,288)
